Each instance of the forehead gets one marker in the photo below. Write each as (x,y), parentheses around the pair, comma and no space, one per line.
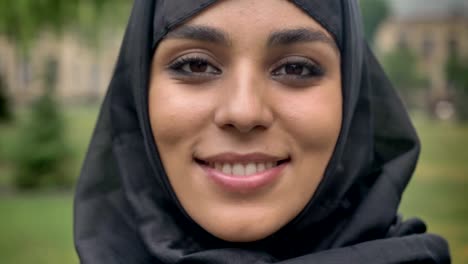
(274,22)
(169,14)
(265,15)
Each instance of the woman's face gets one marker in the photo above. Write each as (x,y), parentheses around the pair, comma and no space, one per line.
(246,106)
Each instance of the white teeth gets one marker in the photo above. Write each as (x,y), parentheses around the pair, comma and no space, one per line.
(269,165)
(260,167)
(227,169)
(250,169)
(238,169)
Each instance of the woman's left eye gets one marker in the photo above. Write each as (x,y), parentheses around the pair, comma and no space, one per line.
(293,69)
(298,69)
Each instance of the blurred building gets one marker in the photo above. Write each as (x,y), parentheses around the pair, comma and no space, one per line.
(82,72)
(431,29)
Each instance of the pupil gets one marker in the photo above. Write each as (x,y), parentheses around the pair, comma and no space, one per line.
(293,69)
(198,66)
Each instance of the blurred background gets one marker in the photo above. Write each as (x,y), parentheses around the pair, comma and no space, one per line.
(56,60)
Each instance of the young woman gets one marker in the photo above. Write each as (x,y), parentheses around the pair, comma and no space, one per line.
(249,132)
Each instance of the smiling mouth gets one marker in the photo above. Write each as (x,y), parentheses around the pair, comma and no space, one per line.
(245,168)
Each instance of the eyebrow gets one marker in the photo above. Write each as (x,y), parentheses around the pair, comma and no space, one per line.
(300,35)
(276,38)
(201,33)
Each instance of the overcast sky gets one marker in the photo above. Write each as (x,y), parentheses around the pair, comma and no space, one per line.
(429,7)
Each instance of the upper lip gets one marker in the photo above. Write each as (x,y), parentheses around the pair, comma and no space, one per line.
(231,157)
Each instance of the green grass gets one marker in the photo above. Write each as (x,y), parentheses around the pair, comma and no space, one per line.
(442,204)
(437,192)
(37,228)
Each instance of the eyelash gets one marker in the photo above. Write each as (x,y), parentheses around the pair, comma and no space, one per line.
(314,69)
(178,65)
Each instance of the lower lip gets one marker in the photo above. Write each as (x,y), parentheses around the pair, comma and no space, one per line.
(244,184)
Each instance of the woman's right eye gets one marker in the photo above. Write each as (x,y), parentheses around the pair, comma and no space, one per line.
(193,66)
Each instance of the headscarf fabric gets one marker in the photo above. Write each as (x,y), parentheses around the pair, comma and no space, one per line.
(125,210)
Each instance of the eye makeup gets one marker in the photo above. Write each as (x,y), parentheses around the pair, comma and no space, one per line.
(193,65)
(292,70)
(298,67)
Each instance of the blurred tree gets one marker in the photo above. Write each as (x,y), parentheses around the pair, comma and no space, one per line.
(374,12)
(95,17)
(401,67)
(42,151)
(42,157)
(22,20)
(456,71)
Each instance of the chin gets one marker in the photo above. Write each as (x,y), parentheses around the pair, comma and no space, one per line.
(242,233)
(242,224)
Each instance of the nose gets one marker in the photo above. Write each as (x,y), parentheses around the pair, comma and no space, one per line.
(244,105)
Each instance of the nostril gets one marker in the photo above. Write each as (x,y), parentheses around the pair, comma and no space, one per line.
(243,114)
(244,128)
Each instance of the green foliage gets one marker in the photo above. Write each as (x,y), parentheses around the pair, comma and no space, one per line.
(42,155)
(23,20)
(94,17)
(79,122)
(5,111)
(401,67)
(456,71)
(374,12)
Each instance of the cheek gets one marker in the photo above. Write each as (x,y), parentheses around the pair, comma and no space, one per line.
(314,118)
(175,115)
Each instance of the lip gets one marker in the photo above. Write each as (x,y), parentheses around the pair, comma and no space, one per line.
(230,157)
(243,184)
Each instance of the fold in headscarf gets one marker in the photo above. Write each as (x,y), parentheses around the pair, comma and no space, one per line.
(126,211)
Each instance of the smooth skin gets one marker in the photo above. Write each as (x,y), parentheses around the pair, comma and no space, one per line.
(246,77)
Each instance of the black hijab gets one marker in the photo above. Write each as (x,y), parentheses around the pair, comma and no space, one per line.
(126,211)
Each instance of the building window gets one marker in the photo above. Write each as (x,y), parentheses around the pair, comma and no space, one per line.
(453,46)
(25,73)
(428,46)
(2,67)
(51,72)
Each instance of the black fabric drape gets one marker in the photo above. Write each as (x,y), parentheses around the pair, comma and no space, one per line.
(126,211)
